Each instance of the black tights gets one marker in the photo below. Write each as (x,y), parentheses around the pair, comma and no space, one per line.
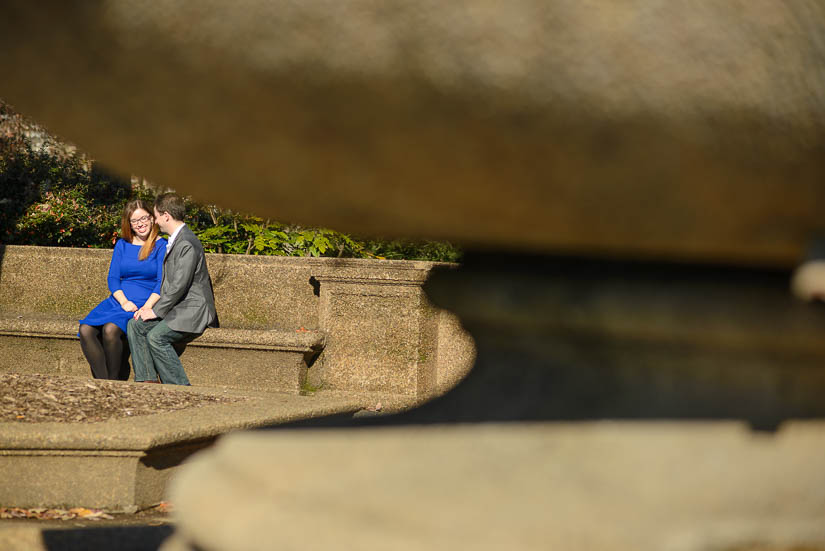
(106,350)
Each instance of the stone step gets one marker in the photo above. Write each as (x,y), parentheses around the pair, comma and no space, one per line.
(123,464)
(259,359)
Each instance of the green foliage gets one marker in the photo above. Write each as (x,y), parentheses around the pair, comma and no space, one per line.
(223,231)
(58,201)
(51,195)
(66,218)
(435,251)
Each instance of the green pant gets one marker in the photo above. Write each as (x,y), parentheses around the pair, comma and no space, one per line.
(155,350)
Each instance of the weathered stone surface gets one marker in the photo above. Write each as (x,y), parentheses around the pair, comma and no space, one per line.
(689,130)
(453,353)
(382,334)
(22,538)
(44,281)
(58,356)
(594,486)
(124,464)
(252,364)
(69,282)
(119,481)
(258,292)
(571,338)
(382,330)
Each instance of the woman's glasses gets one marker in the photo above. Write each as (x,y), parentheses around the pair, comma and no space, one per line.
(136,221)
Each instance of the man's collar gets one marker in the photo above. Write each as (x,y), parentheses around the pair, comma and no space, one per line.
(175,234)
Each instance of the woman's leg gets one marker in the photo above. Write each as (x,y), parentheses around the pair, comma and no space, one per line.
(113,345)
(93,350)
(125,368)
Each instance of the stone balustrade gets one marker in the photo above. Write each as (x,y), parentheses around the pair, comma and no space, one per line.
(286,323)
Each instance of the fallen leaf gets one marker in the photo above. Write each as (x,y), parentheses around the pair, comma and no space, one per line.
(97,515)
(164,507)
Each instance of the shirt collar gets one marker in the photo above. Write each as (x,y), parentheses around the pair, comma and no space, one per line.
(173,236)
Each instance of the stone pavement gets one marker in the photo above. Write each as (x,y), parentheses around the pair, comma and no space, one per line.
(123,464)
(27,482)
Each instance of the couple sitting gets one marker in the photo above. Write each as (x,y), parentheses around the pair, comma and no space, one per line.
(170,282)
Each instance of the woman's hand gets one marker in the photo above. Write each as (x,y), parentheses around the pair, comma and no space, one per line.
(129,306)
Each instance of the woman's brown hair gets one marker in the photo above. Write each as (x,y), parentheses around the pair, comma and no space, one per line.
(126,227)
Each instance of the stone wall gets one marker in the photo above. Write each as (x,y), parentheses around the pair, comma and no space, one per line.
(639,128)
(382,334)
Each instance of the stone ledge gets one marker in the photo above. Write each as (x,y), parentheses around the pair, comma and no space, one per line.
(164,429)
(371,272)
(523,486)
(124,464)
(50,326)
(33,325)
(299,341)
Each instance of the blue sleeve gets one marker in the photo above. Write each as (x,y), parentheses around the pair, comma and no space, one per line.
(160,245)
(113,278)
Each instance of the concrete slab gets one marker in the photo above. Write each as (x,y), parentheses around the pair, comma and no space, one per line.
(124,464)
(603,485)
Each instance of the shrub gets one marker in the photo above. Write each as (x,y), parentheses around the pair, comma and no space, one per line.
(52,195)
(224,231)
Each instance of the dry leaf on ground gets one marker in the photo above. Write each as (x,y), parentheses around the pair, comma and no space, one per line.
(53,514)
(38,398)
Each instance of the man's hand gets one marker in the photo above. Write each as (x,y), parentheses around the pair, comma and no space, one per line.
(129,306)
(145,314)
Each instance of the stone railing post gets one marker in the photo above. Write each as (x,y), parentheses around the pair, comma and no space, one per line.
(382,332)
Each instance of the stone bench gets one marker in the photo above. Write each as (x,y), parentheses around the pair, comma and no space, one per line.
(45,290)
(286,323)
(232,357)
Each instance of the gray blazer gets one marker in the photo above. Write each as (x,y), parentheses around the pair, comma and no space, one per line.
(186,301)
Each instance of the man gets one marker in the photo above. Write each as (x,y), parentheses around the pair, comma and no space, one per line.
(186,306)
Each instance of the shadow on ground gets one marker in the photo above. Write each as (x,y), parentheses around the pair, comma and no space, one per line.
(122,538)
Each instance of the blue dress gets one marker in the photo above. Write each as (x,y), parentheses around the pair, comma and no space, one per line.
(136,278)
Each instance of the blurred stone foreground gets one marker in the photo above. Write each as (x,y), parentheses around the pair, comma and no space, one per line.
(644,378)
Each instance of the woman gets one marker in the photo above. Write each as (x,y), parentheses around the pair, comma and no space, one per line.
(134,279)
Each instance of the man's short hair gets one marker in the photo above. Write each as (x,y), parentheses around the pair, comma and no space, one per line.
(171,203)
